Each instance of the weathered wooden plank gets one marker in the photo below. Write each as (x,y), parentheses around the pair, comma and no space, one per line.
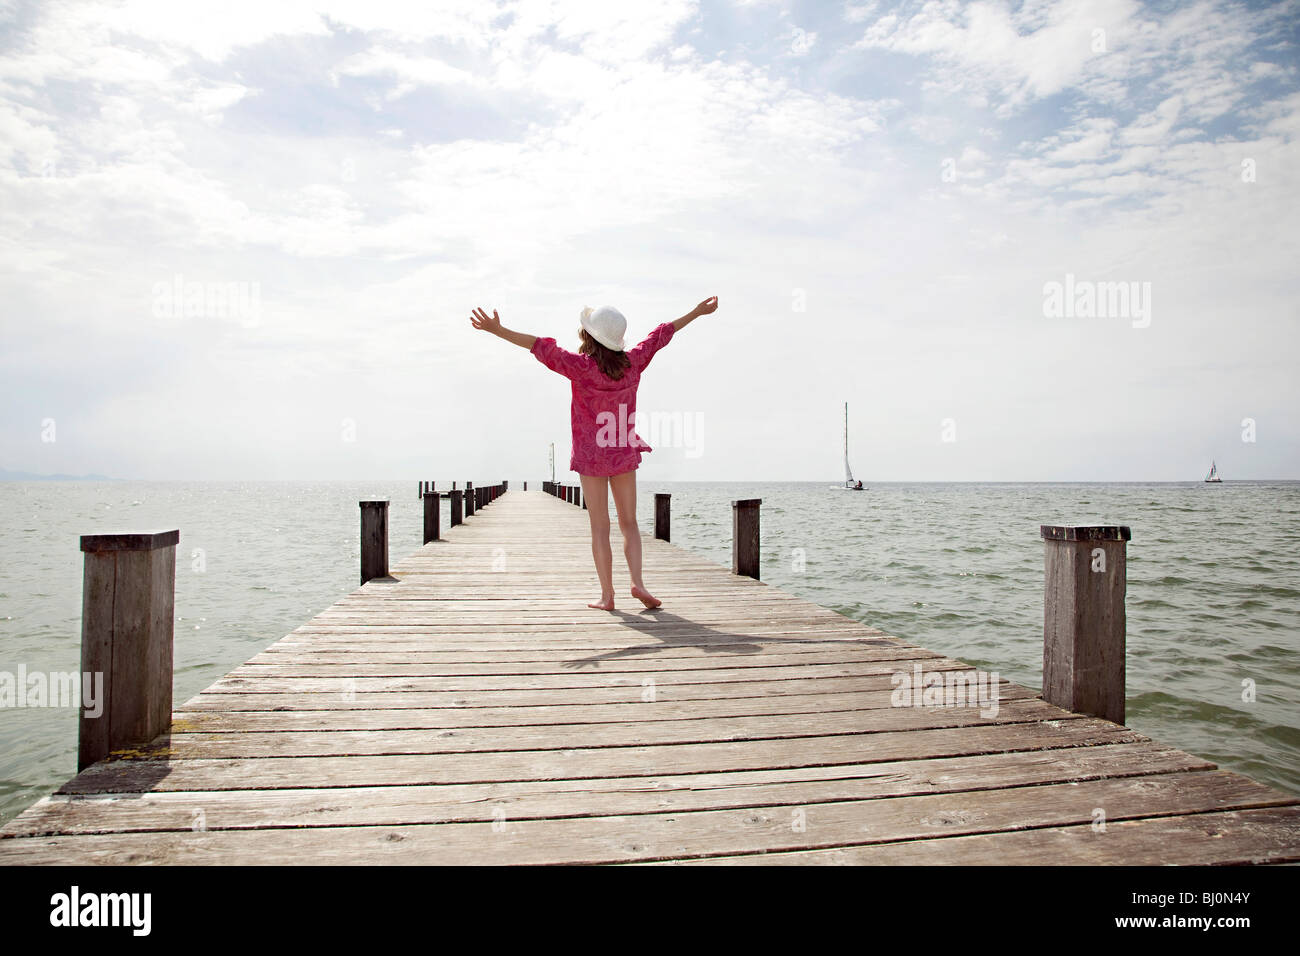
(590,696)
(1232,838)
(576,678)
(613,839)
(136,776)
(467,803)
(377,718)
(309,665)
(299,743)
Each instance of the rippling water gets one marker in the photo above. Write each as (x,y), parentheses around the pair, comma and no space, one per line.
(1213,586)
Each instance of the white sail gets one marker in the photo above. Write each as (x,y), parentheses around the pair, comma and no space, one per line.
(1214,472)
(848,472)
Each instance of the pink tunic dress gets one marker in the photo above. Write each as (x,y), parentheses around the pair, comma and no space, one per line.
(604,409)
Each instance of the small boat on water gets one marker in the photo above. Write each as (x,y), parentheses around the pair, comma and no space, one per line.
(849,483)
(1213,476)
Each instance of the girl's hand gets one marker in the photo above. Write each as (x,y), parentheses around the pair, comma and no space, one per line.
(708,306)
(479,319)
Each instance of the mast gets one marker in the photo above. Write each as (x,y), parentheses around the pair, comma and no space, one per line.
(848,472)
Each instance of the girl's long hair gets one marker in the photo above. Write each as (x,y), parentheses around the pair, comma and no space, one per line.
(612,364)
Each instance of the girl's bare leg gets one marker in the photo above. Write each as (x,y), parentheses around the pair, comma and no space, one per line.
(624,488)
(595,491)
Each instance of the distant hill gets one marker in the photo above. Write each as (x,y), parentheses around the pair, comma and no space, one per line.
(7,475)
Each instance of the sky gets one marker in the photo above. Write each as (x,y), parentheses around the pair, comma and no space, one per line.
(1023,241)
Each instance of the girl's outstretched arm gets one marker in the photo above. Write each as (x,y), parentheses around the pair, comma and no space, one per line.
(480,320)
(706,307)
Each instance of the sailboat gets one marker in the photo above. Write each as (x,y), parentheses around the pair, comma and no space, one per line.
(849,483)
(1213,476)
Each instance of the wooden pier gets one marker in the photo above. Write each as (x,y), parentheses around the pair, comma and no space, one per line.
(466,708)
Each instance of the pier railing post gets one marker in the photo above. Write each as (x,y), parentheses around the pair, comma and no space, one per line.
(432,519)
(1085,570)
(127,620)
(374,539)
(663,514)
(469,499)
(744,537)
(455,518)
(577,495)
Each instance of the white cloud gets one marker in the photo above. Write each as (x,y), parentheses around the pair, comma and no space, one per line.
(534,156)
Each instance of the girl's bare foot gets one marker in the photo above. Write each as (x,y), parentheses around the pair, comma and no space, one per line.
(645,597)
(604,604)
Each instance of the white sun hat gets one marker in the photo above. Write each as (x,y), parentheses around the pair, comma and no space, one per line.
(606,325)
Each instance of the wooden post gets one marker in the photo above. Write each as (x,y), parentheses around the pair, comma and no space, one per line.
(127,618)
(1083,618)
(525,486)
(469,498)
(577,494)
(432,519)
(744,537)
(374,539)
(663,512)
(455,496)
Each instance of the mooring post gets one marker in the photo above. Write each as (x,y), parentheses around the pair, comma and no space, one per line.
(431,516)
(455,518)
(374,539)
(525,486)
(663,513)
(744,537)
(1085,571)
(469,499)
(127,617)
(577,495)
